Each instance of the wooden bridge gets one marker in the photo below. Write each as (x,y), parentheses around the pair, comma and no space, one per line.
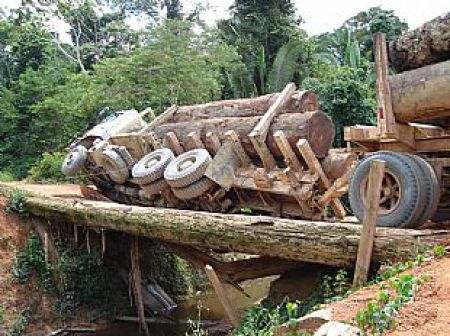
(333,244)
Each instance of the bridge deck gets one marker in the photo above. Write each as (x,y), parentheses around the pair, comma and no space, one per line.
(326,243)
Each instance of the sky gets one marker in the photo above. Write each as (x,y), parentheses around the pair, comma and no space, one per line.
(325,15)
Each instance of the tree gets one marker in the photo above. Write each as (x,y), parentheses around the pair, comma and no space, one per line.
(259,29)
(346,97)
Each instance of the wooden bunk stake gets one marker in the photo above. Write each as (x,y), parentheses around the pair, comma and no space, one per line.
(285,148)
(195,140)
(136,276)
(366,241)
(221,294)
(171,141)
(212,142)
(263,151)
(155,143)
(159,120)
(314,165)
(233,139)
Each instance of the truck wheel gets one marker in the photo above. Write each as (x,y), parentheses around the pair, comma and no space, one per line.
(431,190)
(187,168)
(155,187)
(74,161)
(400,192)
(193,190)
(114,166)
(151,167)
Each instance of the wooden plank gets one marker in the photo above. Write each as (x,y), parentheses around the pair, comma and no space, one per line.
(233,139)
(314,164)
(285,148)
(339,187)
(171,141)
(137,288)
(262,128)
(212,142)
(154,141)
(194,140)
(221,295)
(263,152)
(365,246)
(159,120)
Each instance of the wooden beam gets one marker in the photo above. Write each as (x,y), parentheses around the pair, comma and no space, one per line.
(262,128)
(235,142)
(159,120)
(194,140)
(136,275)
(332,244)
(365,246)
(212,142)
(221,295)
(171,141)
(153,140)
(314,165)
(263,151)
(288,153)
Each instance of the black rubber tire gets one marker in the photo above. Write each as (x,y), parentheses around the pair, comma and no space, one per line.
(143,174)
(74,161)
(114,166)
(405,172)
(178,176)
(155,187)
(431,190)
(193,190)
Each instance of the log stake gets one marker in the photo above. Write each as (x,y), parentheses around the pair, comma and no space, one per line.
(369,222)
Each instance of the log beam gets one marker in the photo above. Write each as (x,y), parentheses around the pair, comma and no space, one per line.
(308,241)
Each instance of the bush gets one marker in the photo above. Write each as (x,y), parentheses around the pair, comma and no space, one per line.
(7,176)
(48,168)
(16,202)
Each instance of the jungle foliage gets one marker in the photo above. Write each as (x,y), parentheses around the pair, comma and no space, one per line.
(53,88)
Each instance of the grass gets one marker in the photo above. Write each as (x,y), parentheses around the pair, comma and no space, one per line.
(6,176)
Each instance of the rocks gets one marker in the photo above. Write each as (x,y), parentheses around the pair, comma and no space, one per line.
(338,329)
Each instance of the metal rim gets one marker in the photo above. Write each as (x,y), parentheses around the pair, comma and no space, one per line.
(390,195)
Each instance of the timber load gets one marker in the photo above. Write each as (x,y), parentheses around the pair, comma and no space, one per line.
(426,45)
(270,154)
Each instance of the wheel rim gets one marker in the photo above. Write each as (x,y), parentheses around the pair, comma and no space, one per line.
(186,163)
(390,194)
(154,161)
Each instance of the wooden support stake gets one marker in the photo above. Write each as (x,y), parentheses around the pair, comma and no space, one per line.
(233,138)
(221,295)
(171,141)
(285,148)
(195,140)
(212,142)
(314,165)
(159,120)
(263,151)
(136,275)
(103,233)
(88,242)
(262,128)
(365,247)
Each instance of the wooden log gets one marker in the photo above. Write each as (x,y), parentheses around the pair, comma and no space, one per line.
(428,44)
(301,101)
(421,95)
(314,126)
(369,223)
(308,241)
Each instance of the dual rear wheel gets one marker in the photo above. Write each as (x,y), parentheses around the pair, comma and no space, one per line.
(409,193)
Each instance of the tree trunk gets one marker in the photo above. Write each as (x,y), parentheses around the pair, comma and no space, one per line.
(314,126)
(302,101)
(307,241)
(422,95)
(428,44)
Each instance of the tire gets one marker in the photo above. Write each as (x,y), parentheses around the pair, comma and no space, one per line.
(193,190)
(431,190)
(155,187)
(178,175)
(114,166)
(74,161)
(404,171)
(151,167)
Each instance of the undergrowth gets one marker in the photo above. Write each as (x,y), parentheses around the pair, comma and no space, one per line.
(16,202)
(21,321)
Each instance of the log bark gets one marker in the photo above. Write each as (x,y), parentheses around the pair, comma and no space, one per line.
(306,241)
(314,126)
(428,44)
(422,95)
(303,101)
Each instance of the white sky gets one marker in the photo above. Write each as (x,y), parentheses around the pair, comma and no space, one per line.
(325,15)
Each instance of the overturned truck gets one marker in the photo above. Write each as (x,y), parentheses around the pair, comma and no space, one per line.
(271,154)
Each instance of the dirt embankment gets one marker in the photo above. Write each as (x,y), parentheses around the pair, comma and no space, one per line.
(428,314)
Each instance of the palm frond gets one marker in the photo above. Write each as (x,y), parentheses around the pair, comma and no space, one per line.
(285,65)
